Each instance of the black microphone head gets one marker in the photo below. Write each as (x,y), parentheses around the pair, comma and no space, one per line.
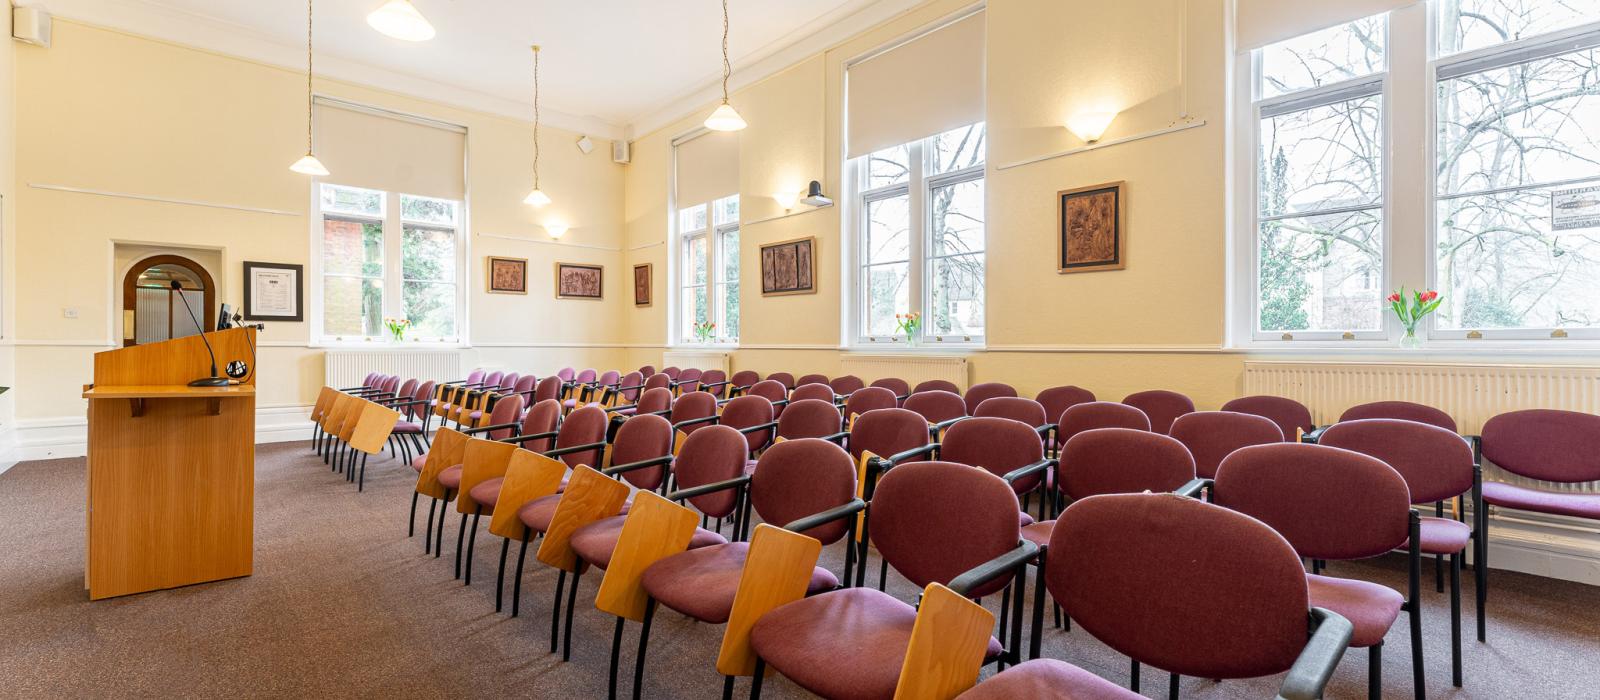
(177,285)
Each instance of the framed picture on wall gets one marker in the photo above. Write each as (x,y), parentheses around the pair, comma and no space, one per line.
(508,275)
(641,284)
(788,267)
(1092,234)
(274,292)
(575,281)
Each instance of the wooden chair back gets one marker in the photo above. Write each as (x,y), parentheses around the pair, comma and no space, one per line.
(445,452)
(529,476)
(948,642)
(777,571)
(590,496)
(481,460)
(656,528)
(372,427)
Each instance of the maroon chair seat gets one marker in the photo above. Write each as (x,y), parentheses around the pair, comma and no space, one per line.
(407,427)
(1048,678)
(486,493)
(809,418)
(812,379)
(595,542)
(1039,533)
(450,478)
(1370,607)
(1553,502)
(419,462)
(537,513)
(856,654)
(1444,536)
(702,582)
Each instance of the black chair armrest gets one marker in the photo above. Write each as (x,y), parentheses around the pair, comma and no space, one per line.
(1315,434)
(734,483)
(1016,474)
(711,384)
(758,428)
(616,469)
(995,568)
(780,402)
(837,438)
(696,421)
(356,388)
(487,428)
(574,448)
(1194,487)
(1330,637)
(623,407)
(413,402)
(818,519)
(941,425)
(661,412)
(892,460)
(519,439)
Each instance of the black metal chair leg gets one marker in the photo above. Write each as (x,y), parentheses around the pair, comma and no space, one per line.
(472,544)
(500,574)
(755,682)
(516,582)
(461,539)
(1172,686)
(644,645)
(1480,566)
(572,604)
(1414,611)
(883,573)
(427,532)
(1375,672)
(361,483)
(438,543)
(616,647)
(555,614)
(1455,618)
(411,529)
(1038,606)
(727,688)
(1133,676)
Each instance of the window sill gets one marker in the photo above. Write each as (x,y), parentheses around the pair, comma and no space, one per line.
(1437,351)
(385,345)
(705,346)
(920,349)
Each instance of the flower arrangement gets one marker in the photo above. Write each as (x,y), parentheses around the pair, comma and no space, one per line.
(704,331)
(908,324)
(1411,309)
(397,328)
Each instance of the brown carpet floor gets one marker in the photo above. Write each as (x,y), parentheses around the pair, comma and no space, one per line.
(342,604)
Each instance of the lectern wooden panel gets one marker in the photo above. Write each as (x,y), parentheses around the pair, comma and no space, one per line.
(171,487)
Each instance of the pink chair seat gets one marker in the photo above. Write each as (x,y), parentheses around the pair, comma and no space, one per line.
(701,583)
(596,541)
(1573,504)
(537,513)
(450,478)
(1443,536)
(1371,608)
(406,427)
(1039,533)
(486,493)
(1048,678)
(1023,519)
(419,462)
(858,654)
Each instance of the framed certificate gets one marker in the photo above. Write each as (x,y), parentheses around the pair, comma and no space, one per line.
(274,292)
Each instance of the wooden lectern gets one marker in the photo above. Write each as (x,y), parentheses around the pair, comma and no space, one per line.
(171,467)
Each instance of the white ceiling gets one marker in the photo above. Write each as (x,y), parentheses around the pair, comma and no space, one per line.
(606,63)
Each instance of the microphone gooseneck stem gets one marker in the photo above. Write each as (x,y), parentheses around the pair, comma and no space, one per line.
(212,379)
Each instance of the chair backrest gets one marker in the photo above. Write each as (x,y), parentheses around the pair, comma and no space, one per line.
(660,380)
(1151,574)
(744,378)
(978,393)
(770,389)
(887,432)
(586,376)
(811,379)
(525,384)
(609,378)
(583,426)
(813,390)
(715,453)
(998,445)
(1401,410)
(869,399)
(748,412)
(473,377)
(492,380)
(1213,435)
(1057,399)
(1161,406)
(1099,414)
(796,478)
(672,372)
(937,385)
(1560,446)
(936,405)
(933,521)
(629,387)
(566,374)
(895,384)
(549,388)
(641,438)
(695,404)
(654,399)
(647,370)
(507,410)
(1292,417)
(1014,407)
(543,417)
(509,381)
(367,381)
(1327,502)
(784,378)
(407,388)
(1436,463)
(846,385)
(809,418)
(1122,460)
(715,376)
(423,392)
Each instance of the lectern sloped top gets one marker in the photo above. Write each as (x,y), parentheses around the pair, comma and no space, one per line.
(176,361)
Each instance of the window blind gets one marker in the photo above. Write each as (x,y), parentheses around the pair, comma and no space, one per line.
(384,151)
(928,85)
(708,167)
(1261,22)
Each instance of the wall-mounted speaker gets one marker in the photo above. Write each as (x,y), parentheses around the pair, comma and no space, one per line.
(620,152)
(31,25)
(585,144)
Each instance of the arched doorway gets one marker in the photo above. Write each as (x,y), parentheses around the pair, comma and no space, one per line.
(151,309)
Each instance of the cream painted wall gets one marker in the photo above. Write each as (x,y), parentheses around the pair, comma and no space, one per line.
(121,113)
(8,218)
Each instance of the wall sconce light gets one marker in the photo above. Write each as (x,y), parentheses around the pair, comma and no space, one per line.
(787,199)
(555,229)
(814,196)
(1090,126)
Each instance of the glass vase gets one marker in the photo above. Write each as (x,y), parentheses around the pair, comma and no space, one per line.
(1410,341)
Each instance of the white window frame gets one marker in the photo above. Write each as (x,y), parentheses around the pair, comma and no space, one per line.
(713,233)
(393,225)
(919,188)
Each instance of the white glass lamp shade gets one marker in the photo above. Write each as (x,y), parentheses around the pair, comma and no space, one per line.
(536,198)
(309,165)
(725,118)
(1090,126)
(400,20)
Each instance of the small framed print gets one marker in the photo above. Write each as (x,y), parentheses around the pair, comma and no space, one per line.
(1092,234)
(274,292)
(641,284)
(575,281)
(787,267)
(508,275)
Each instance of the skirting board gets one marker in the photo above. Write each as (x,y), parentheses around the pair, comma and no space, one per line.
(56,438)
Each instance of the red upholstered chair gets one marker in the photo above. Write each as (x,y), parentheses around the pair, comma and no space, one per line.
(503,419)
(548,389)
(814,390)
(741,381)
(784,378)
(978,393)
(627,390)
(492,379)
(1556,446)
(937,406)
(937,385)
(752,417)
(846,385)
(1401,410)
(1003,446)
(567,374)
(525,385)
(1161,406)
(577,391)
(774,391)
(539,425)
(934,522)
(1213,435)
(655,400)
(414,415)
(647,370)
(1057,399)
(1099,414)
(672,372)
(897,385)
(1292,417)
(811,379)
(797,481)
(693,411)
(868,399)
(609,380)
(811,419)
(1018,409)
(1150,574)
(1333,504)
(508,383)
(715,381)
(1437,465)
(688,380)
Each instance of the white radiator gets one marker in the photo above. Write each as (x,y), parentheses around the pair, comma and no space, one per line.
(912,368)
(695,359)
(342,368)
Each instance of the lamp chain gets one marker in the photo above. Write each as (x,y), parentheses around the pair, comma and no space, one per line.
(536,116)
(308,76)
(727,67)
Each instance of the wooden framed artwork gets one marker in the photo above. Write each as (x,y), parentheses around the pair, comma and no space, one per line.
(788,267)
(274,292)
(575,281)
(1092,233)
(508,275)
(641,284)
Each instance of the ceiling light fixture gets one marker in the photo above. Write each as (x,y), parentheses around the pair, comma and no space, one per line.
(308,164)
(537,198)
(400,20)
(725,117)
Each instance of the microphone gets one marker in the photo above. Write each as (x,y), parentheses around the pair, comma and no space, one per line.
(212,380)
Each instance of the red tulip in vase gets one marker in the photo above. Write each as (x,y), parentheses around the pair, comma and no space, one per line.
(1411,309)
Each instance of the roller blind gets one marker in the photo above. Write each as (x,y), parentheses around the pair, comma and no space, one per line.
(708,167)
(926,86)
(1261,22)
(394,153)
